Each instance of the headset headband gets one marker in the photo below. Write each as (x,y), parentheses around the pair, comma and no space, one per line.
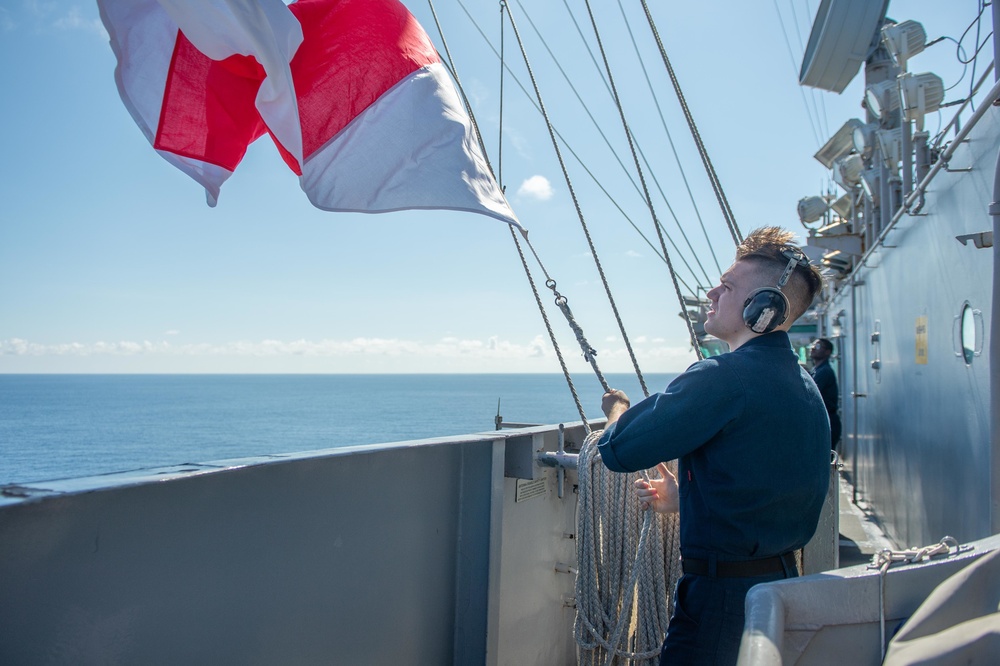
(795,258)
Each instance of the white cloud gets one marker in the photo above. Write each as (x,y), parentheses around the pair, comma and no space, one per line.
(73,20)
(632,253)
(536,187)
(449,347)
(172,331)
(360,354)
(517,141)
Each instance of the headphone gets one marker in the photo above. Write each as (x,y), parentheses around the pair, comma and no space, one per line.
(767,308)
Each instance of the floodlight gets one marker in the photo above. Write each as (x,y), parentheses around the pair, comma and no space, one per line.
(920,94)
(839,144)
(837,261)
(842,206)
(847,171)
(882,98)
(812,209)
(833,229)
(904,40)
(871,183)
(864,139)
(890,141)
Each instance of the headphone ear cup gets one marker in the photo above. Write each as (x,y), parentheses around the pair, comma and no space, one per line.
(765,309)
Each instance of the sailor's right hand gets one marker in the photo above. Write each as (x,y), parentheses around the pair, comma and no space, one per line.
(660,494)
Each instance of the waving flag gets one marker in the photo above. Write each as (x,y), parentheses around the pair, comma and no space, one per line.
(351,91)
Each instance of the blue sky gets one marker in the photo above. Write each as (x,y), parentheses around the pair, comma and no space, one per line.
(110,261)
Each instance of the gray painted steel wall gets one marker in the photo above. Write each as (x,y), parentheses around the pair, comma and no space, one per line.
(453,551)
(921,455)
(371,555)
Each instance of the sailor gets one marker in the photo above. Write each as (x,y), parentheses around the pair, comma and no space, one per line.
(826,380)
(752,437)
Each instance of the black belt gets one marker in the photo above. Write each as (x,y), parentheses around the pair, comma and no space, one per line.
(742,569)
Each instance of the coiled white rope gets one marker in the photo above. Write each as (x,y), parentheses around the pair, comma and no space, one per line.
(628,565)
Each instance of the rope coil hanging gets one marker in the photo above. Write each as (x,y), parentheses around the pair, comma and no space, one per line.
(623,592)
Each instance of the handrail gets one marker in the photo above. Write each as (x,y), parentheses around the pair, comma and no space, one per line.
(992,96)
(967,100)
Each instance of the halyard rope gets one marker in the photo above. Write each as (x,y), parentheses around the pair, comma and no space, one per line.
(610,602)
(627,565)
(548,327)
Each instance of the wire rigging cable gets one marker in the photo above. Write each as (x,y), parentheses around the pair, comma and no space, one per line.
(614,152)
(517,244)
(727,211)
(645,189)
(822,117)
(811,112)
(577,157)
(576,202)
(677,158)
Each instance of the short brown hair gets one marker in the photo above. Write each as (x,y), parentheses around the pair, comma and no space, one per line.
(765,247)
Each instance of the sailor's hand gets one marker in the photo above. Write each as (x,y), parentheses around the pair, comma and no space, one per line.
(614,403)
(658,494)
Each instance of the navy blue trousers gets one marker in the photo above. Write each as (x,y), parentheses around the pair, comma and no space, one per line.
(707,624)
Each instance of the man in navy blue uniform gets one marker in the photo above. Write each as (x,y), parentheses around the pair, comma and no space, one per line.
(826,381)
(752,438)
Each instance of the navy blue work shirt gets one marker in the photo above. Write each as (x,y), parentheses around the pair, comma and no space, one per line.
(826,382)
(753,441)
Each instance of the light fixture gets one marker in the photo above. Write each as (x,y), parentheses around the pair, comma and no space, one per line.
(871,183)
(839,144)
(864,139)
(904,40)
(847,171)
(882,99)
(842,206)
(837,324)
(890,141)
(812,209)
(837,261)
(920,94)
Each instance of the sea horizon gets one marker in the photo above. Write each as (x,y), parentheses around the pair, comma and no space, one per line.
(65,425)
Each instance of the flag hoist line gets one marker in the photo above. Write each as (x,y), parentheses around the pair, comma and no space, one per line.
(619,602)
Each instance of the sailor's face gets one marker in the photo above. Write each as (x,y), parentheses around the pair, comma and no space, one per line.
(725,318)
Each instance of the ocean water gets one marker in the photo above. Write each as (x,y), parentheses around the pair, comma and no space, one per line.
(62,426)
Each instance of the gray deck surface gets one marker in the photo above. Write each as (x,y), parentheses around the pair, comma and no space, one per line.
(860,535)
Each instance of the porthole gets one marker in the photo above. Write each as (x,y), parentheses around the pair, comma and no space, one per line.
(971,332)
(968,334)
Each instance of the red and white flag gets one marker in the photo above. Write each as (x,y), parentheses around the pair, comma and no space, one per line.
(352,92)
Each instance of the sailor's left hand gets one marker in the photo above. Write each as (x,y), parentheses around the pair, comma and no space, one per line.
(614,404)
